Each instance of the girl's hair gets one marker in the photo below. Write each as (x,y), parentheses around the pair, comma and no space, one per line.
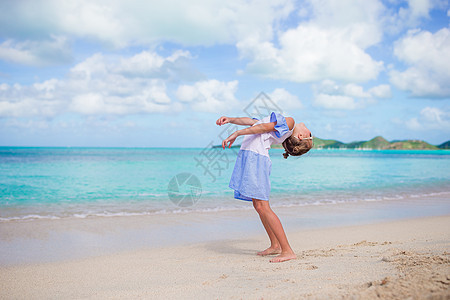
(296,147)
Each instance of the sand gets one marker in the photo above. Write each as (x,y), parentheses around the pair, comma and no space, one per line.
(403,259)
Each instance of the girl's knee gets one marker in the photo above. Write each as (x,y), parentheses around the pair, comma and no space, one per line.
(261,205)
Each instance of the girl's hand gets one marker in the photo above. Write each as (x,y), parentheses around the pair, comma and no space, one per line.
(229,140)
(223,120)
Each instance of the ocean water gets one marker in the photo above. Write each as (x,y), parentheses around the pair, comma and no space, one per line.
(55,183)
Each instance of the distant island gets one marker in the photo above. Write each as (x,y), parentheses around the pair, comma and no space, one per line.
(377,143)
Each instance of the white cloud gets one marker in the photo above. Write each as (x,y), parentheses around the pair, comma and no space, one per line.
(149,64)
(360,18)
(285,100)
(435,115)
(330,95)
(335,102)
(36,53)
(124,23)
(18,100)
(355,91)
(410,14)
(331,44)
(417,10)
(99,85)
(142,64)
(381,91)
(209,95)
(151,99)
(352,90)
(430,118)
(27,107)
(426,55)
(412,124)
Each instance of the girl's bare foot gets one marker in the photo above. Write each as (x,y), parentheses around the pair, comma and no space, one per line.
(270,251)
(283,257)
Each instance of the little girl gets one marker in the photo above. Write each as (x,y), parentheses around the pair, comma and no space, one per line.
(250,178)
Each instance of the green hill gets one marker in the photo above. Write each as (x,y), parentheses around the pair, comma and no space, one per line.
(320,143)
(445,145)
(377,143)
(412,144)
(353,145)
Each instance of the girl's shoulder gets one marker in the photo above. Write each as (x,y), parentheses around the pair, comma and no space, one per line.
(290,122)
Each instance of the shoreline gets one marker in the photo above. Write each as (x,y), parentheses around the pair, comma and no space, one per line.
(391,258)
(194,148)
(208,204)
(42,241)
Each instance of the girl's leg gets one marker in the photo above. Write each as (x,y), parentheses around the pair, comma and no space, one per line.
(274,244)
(273,223)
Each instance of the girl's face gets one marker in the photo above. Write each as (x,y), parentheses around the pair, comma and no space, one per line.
(301,131)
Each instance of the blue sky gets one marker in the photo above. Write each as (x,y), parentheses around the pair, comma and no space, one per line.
(159,73)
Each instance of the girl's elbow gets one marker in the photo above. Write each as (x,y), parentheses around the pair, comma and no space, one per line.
(269,127)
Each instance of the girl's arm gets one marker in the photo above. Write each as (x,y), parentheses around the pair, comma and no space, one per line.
(237,121)
(260,128)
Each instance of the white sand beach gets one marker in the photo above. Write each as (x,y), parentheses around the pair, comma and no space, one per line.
(401,259)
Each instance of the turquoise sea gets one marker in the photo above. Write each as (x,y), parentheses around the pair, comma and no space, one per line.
(55,183)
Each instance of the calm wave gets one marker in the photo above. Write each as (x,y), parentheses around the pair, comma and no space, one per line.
(55,183)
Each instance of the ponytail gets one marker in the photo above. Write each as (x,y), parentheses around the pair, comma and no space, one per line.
(296,147)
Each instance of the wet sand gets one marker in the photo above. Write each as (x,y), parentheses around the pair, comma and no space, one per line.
(387,259)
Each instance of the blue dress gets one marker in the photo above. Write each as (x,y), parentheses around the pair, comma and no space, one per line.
(250,178)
